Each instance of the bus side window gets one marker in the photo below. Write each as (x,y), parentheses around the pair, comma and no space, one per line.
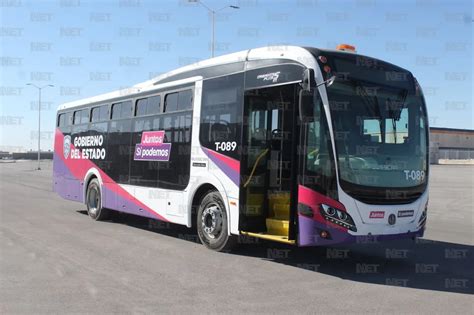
(154,105)
(84,116)
(68,119)
(61,120)
(99,113)
(77,117)
(104,112)
(81,117)
(171,102)
(127,109)
(148,106)
(122,110)
(182,100)
(65,121)
(185,99)
(141,107)
(95,114)
(116,110)
(221,113)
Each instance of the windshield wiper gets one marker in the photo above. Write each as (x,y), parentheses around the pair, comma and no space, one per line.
(367,99)
(372,104)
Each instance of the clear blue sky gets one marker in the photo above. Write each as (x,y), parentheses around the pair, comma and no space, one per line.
(86,48)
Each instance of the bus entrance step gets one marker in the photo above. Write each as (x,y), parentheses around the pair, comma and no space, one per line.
(279,204)
(277,227)
(265,236)
(281,211)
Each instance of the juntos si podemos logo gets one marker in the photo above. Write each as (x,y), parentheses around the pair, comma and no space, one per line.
(152,147)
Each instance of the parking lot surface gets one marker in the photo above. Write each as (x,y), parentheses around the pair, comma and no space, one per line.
(54,259)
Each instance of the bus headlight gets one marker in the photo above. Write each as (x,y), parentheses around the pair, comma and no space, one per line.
(330,211)
(342,215)
(337,216)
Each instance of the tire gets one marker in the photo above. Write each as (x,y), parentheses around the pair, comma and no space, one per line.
(94,202)
(212,225)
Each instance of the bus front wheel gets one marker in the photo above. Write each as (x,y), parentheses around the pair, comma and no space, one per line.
(212,225)
(94,201)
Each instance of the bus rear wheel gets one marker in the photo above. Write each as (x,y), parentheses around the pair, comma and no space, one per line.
(212,225)
(94,201)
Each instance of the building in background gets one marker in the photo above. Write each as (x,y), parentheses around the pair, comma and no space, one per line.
(448,145)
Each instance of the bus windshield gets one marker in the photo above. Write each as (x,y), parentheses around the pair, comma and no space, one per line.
(379,126)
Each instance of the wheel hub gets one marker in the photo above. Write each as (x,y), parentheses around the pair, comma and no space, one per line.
(93,201)
(211,221)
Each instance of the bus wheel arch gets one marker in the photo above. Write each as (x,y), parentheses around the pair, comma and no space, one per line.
(198,195)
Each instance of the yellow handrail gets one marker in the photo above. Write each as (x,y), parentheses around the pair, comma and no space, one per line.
(255,166)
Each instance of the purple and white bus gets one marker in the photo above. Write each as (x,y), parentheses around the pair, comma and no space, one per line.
(299,145)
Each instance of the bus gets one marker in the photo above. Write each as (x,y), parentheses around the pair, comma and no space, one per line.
(297,145)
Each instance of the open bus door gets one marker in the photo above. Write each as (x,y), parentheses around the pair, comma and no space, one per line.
(269,163)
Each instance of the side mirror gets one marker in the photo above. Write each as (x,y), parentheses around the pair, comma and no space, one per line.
(306,106)
(328,82)
(308,82)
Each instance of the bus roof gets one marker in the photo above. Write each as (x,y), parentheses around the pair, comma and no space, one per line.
(193,72)
(292,53)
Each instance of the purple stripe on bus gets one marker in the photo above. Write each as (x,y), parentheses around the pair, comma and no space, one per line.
(228,171)
(64,182)
(113,200)
(69,187)
(309,230)
(60,168)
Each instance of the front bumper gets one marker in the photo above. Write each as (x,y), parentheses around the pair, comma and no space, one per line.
(310,232)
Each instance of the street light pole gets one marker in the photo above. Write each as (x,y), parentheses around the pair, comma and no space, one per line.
(213,15)
(39,128)
(39,118)
(213,32)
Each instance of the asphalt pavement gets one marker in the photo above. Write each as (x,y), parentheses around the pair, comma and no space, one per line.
(54,259)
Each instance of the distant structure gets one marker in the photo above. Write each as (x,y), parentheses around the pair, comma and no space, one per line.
(449,145)
(31,155)
(4,154)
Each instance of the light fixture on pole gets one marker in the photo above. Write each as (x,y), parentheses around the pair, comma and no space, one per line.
(213,15)
(39,117)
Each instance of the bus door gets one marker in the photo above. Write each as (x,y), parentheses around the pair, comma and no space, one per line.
(268,154)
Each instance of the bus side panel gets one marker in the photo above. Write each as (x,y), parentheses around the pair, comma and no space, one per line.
(200,174)
(58,176)
(220,132)
(128,203)
(64,182)
(162,184)
(69,161)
